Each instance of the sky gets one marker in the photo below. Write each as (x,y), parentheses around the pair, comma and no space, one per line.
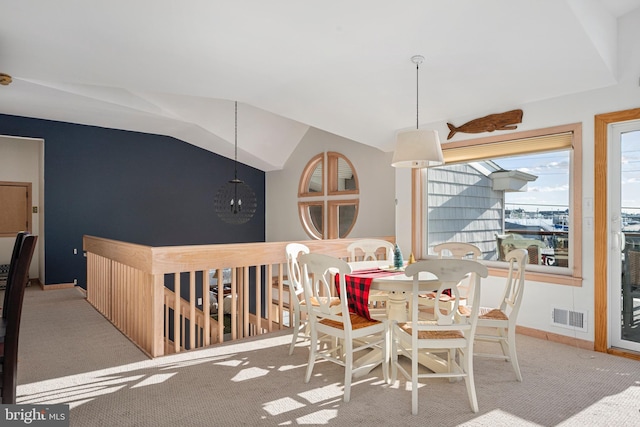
(550,191)
(631,172)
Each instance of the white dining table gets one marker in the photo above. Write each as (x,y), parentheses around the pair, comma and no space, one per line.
(399,287)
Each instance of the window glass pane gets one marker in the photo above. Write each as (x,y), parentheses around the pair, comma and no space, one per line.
(315,214)
(504,203)
(346,219)
(315,181)
(630,177)
(346,180)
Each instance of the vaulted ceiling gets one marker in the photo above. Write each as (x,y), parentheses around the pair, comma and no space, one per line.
(175,67)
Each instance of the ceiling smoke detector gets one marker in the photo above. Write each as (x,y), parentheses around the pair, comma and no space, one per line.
(5,79)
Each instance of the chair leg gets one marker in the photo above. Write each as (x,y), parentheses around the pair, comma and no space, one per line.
(348,368)
(503,341)
(451,360)
(385,361)
(313,348)
(414,381)
(394,359)
(466,361)
(296,330)
(512,353)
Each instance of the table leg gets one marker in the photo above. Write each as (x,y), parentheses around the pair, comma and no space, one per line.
(369,358)
(397,304)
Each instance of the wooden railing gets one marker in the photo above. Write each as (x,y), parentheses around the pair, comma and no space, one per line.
(133,287)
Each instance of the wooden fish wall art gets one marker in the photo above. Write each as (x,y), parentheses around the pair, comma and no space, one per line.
(500,121)
(5,79)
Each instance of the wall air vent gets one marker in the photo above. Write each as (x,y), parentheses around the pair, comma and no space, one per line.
(569,319)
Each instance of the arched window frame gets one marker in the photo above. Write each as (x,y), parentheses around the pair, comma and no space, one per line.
(330,198)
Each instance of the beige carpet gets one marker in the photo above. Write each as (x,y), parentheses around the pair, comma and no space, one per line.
(70,354)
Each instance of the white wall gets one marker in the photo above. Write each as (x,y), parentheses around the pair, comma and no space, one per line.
(376,216)
(21,160)
(573,108)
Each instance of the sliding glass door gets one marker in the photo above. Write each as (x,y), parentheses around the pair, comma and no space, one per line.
(624,238)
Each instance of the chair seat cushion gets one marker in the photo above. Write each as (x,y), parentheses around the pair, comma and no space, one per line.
(494,314)
(465,310)
(357,322)
(333,301)
(430,335)
(432,295)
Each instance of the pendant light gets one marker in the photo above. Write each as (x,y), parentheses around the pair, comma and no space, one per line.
(417,148)
(235,202)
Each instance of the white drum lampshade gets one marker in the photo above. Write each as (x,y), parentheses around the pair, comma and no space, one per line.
(417,149)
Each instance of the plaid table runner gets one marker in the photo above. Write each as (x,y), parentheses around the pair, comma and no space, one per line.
(358,284)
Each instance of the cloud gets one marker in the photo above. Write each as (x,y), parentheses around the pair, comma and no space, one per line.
(547,167)
(548,189)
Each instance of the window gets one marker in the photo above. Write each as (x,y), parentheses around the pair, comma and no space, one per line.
(521,190)
(327,196)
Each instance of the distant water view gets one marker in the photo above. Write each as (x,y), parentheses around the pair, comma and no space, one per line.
(541,210)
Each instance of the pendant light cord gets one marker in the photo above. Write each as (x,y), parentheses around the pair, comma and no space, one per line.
(235,174)
(417,98)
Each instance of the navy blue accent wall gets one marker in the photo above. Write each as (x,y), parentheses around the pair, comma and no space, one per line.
(135,187)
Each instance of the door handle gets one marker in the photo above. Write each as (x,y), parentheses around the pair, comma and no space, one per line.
(618,241)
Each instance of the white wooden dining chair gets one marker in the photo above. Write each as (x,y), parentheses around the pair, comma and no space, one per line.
(449,334)
(296,291)
(368,249)
(498,324)
(371,250)
(353,333)
(458,250)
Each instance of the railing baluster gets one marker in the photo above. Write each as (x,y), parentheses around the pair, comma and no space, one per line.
(206,309)
(234,309)
(221,314)
(258,294)
(176,312)
(269,302)
(245,302)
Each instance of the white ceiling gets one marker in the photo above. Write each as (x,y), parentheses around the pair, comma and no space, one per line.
(175,67)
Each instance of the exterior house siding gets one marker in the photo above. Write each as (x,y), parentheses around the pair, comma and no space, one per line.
(464,207)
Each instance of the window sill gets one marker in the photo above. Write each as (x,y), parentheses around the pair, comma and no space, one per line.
(536,276)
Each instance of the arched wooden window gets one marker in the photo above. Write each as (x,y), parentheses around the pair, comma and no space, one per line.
(328,196)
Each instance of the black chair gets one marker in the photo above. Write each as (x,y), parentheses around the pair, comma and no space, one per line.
(12,268)
(9,347)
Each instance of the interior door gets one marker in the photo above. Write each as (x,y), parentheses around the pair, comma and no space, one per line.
(624,236)
(15,215)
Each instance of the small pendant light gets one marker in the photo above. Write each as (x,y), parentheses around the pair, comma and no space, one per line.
(235,202)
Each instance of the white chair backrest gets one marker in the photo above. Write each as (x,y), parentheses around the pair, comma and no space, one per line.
(514,288)
(460,250)
(369,247)
(294,273)
(318,275)
(449,272)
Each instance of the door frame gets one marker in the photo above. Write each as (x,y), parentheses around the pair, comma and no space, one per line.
(601,227)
